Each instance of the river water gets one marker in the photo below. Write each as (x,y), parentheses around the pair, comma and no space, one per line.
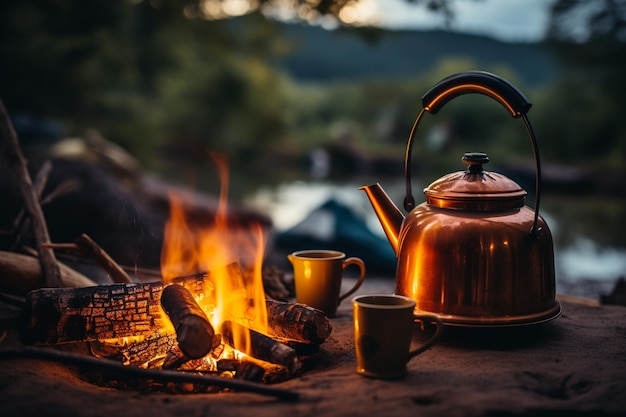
(589,232)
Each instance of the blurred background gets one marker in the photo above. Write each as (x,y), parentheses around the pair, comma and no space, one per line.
(309,99)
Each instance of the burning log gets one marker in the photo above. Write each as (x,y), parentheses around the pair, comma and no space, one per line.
(194,332)
(261,346)
(156,345)
(61,315)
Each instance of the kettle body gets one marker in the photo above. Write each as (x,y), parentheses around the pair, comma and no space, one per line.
(473,253)
(476,268)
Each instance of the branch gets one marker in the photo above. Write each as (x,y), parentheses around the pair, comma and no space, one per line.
(17,162)
(157,375)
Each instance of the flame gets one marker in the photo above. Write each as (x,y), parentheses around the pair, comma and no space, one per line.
(221,249)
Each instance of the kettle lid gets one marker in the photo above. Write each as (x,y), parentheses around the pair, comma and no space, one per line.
(475,189)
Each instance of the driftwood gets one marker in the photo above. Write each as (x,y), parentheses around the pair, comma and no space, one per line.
(16,160)
(20,274)
(193,330)
(260,346)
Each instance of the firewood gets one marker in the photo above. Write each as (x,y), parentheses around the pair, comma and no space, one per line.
(16,160)
(20,274)
(155,345)
(249,371)
(56,315)
(176,359)
(276,285)
(260,346)
(193,329)
(297,322)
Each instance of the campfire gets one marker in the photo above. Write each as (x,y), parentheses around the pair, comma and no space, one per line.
(207,321)
(219,322)
(163,326)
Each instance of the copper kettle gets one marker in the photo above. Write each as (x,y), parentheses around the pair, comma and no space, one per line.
(472,253)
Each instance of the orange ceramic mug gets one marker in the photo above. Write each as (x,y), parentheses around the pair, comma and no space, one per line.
(318,275)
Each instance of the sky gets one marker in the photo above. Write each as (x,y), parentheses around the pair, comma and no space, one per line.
(508,20)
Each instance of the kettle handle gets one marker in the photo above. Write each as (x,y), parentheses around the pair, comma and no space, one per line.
(480,82)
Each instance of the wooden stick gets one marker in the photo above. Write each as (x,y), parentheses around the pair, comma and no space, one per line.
(103,258)
(193,329)
(156,375)
(18,163)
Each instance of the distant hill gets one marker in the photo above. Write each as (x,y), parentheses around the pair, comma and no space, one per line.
(323,55)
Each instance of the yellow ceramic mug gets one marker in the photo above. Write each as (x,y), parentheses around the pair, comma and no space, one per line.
(383,329)
(318,275)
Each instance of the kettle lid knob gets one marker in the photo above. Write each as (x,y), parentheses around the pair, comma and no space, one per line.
(475,161)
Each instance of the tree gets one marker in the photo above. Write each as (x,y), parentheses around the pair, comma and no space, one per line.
(589,37)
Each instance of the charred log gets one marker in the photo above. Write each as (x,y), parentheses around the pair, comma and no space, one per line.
(297,322)
(61,315)
(260,346)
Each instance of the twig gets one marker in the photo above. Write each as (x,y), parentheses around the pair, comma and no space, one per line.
(17,162)
(116,272)
(157,375)
(84,244)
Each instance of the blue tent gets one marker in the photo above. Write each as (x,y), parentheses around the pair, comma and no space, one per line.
(335,226)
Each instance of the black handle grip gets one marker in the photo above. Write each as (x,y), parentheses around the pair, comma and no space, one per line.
(480,82)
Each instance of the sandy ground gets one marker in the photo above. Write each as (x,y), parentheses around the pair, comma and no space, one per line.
(572,366)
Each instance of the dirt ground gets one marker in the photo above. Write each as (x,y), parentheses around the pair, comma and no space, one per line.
(572,366)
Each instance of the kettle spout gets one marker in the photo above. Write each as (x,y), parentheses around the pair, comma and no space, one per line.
(389,215)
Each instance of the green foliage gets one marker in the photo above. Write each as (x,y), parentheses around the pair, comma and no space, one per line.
(172,89)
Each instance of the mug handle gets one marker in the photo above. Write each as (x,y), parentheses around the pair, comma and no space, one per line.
(358,262)
(435,337)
